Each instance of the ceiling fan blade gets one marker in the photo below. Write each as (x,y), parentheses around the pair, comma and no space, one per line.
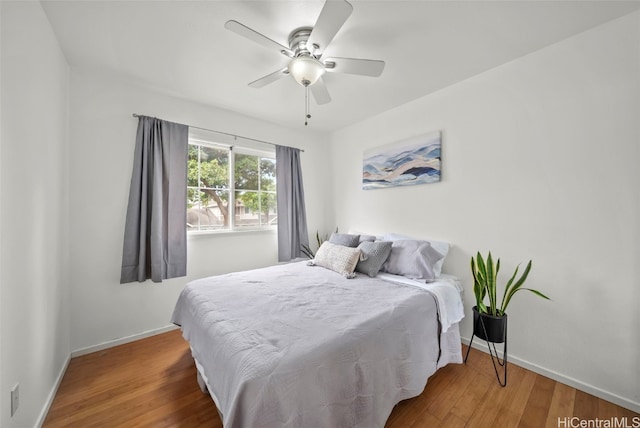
(332,17)
(270,78)
(253,35)
(320,92)
(365,67)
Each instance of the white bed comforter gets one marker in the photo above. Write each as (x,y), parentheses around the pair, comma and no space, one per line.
(300,346)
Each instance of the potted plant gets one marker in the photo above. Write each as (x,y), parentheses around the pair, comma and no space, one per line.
(490,321)
(307,251)
(485,278)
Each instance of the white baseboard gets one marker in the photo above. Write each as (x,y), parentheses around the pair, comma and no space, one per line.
(589,389)
(52,393)
(122,340)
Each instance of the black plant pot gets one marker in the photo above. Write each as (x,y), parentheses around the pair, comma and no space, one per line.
(495,327)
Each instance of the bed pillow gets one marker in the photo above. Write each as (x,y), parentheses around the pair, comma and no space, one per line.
(373,256)
(345,239)
(366,238)
(412,259)
(439,246)
(337,258)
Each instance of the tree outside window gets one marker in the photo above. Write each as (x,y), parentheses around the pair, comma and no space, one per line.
(212,191)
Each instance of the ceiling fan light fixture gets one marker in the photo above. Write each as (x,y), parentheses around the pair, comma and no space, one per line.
(306,70)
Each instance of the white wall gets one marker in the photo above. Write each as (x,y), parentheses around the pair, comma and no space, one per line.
(34,342)
(102,141)
(1,139)
(540,161)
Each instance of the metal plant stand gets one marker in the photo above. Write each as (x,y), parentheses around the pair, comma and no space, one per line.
(495,359)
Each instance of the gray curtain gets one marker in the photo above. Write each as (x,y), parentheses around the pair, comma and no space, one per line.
(292,215)
(155,235)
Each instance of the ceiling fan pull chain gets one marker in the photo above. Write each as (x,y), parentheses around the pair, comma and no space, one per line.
(306,105)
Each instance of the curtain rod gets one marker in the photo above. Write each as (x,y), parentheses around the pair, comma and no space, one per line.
(228,134)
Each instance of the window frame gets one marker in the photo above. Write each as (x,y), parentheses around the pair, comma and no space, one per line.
(232,150)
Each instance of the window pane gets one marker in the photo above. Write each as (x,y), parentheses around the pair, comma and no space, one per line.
(212,212)
(269,208)
(268,174)
(247,210)
(214,168)
(207,188)
(255,209)
(192,166)
(193,209)
(246,172)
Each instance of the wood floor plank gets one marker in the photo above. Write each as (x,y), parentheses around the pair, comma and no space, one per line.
(152,383)
(585,406)
(511,416)
(561,406)
(497,400)
(450,421)
(473,396)
(425,420)
(537,409)
(441,406)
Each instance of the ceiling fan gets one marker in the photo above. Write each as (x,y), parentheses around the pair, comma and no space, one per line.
(306,47)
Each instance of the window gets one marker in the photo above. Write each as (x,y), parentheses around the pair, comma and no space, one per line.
(230,188)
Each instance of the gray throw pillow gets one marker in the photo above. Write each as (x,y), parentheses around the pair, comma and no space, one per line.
(364,238)
(373,255)
(345,239)
(412,259)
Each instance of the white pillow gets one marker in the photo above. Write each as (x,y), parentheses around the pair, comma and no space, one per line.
(337,258)
(412,259)
(439,246)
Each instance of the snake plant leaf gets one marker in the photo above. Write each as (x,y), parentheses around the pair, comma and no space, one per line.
(508,287)
(478,288)
(515,287)
(306,250)
(524,276)
(481,266)
(491,284)
(536,292)
(482,273)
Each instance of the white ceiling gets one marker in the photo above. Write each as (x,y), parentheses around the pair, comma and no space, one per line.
(182,48)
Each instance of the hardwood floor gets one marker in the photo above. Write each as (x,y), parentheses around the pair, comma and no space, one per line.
(152,383)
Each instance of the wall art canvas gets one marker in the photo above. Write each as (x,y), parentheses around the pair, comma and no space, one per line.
(405,163)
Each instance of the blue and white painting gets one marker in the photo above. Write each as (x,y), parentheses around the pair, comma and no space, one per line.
(413,161)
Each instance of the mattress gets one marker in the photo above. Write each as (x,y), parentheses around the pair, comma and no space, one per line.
(300,346)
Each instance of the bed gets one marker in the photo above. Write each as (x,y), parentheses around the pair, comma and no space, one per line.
(294,345)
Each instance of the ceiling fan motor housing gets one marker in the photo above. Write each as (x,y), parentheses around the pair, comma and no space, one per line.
(298,41)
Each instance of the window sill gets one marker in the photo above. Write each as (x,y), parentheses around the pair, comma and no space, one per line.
(227,233)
